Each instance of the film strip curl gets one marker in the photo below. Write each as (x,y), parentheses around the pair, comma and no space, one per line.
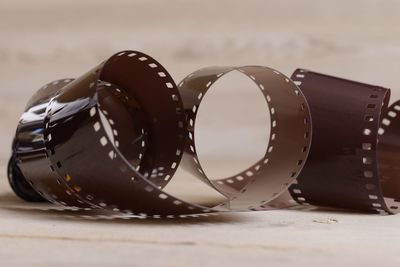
(353,161)
(113,138)
(288,143)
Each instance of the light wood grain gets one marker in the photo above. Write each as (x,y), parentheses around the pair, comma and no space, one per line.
(45,40)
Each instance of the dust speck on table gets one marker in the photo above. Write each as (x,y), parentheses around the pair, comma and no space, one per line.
(326,220)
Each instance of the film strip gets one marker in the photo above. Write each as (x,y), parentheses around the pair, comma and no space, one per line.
(113,138)
(353,161)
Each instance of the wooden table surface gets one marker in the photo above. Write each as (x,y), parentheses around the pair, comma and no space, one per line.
(45,40)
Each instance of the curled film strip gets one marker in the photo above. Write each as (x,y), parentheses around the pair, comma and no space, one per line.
(353,161)
(113,138)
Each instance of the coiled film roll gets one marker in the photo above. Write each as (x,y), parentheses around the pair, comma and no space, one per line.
(113,138)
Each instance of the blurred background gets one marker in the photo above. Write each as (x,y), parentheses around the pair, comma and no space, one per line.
(45,40)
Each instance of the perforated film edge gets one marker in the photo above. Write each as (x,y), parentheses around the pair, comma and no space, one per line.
(368,146)
(245,178)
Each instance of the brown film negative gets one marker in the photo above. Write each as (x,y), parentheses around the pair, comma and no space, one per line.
(288,144)
(353,161)
(113,138)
